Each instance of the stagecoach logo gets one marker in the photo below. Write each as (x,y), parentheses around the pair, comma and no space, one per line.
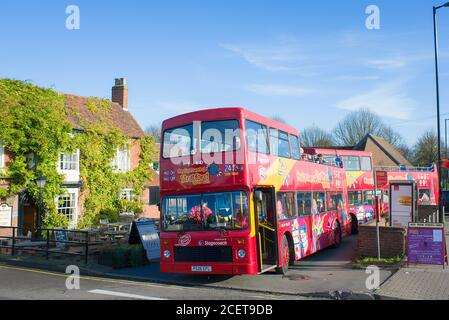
(184,240)
(216,242)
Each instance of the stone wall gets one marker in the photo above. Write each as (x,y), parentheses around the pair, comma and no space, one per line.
(392,242)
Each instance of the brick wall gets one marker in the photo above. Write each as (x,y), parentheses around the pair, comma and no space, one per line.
(392,242)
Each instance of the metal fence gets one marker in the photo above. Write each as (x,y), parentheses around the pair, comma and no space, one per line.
(48,241)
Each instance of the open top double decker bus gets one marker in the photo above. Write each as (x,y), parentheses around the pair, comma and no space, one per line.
(237,197)
(426,179)
(359,179)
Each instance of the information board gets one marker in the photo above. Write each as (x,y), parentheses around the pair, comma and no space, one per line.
(401,204)
(426,243)
(146,233)
(5,215)
(60,235)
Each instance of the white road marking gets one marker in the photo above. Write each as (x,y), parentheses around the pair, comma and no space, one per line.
(123,295)
(108,280)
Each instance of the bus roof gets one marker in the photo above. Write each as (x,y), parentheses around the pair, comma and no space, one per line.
(337,152)
(226,113)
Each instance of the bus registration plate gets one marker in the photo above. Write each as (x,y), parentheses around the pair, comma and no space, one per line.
(202,268)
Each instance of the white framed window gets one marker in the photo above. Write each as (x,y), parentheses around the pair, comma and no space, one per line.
(67,205)
(68,162)
(122,161)
(68,165)
(127,194)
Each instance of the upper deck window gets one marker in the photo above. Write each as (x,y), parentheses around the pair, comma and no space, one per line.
(178,142)
(220,136)
(294,142)
(256,137)
(351,163)
(279,143)
(216,136)
(365,164)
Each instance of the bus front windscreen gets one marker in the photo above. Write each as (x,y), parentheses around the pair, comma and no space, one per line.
(207,211)
(216,136)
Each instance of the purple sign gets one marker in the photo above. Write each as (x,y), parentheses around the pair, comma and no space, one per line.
(426,243)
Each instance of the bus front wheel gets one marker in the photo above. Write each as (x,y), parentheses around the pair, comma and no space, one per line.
(285,255)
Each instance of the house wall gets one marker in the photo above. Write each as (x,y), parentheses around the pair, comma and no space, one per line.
(12,201)
(149,211)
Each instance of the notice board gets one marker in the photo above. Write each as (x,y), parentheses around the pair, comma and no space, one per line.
(401,203)
(146,232)
(426,243)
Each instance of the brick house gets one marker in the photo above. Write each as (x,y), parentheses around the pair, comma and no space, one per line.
(23,209)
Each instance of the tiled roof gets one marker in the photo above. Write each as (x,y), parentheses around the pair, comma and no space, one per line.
(80,110)
(386,147)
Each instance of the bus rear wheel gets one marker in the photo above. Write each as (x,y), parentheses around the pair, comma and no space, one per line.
(285,255)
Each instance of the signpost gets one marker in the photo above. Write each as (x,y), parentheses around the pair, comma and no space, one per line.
(381,179)
(426,244)
(5,215)
(146,233)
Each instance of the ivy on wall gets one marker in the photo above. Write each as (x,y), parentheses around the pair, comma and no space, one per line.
(34,120)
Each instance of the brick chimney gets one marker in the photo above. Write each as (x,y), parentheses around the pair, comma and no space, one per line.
(120,93)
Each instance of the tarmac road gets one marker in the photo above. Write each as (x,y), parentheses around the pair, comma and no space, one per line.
(25,284)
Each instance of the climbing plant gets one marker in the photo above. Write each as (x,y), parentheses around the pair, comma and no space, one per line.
(34,121)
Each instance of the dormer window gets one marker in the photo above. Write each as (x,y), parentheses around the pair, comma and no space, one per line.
(122,161)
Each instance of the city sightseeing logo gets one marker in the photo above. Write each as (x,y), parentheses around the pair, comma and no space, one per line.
(184,240)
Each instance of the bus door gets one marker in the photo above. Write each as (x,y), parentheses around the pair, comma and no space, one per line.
(264,202)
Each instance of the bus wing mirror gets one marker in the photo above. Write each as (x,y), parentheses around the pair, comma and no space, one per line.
(258,195)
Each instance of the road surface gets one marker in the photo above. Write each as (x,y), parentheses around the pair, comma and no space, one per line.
(24,283)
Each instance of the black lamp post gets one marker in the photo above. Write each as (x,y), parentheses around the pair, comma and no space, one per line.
(435,36)
(41,181)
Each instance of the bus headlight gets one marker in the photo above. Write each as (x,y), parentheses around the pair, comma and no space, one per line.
(167,254)
(241,253)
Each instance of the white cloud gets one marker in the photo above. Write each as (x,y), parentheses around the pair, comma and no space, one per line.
(286,56)
(388,100)
(356,78)
(280,90)
(388,64)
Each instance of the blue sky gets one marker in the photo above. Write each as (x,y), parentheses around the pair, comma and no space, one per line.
(309,63)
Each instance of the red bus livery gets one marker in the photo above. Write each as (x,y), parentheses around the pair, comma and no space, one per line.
(359,179)
(237,196)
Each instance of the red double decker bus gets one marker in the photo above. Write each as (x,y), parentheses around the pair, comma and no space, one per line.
(426,179)
(359,179)
(237,196)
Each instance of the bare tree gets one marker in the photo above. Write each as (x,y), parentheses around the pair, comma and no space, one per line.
(426,149)
(316,137)
(154,131)
(356,125)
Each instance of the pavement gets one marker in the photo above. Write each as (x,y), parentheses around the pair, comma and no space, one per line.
(328,274)
(418,282)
